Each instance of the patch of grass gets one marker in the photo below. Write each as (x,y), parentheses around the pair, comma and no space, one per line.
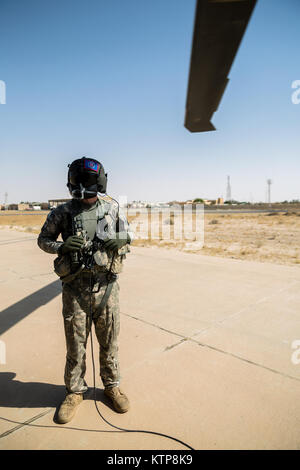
(247,251)
(291,213)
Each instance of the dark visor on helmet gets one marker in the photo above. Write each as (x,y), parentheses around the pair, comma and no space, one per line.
(84,178)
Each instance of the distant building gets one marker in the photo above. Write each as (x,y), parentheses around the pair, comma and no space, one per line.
(138,204)
(57,202)
(175,203)
(210,202)
(23,207)
(36,208)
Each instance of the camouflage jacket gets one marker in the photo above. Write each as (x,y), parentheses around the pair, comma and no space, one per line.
(60,222)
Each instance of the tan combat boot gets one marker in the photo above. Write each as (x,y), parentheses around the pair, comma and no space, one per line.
(118,398)
(68,407)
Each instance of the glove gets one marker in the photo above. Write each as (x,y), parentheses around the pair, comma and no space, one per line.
(72,243)
(114,244)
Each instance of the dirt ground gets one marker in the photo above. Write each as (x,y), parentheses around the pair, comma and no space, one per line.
(270,237)
(23,221)
(273,237)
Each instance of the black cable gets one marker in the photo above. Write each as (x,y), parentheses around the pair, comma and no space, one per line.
(94,379)
(94,392)
(124,429)
(49,426)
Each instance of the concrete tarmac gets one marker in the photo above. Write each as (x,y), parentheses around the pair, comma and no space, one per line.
(205,351)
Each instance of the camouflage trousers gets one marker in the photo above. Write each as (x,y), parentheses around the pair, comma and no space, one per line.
(77,303)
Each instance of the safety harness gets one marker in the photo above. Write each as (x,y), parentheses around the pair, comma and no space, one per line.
(88,259)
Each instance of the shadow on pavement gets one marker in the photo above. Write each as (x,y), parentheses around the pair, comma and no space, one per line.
(16,312)
(16,394)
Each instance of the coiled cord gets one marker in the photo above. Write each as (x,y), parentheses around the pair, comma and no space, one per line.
(94,380)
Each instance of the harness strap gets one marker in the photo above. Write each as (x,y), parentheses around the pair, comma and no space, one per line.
(72,276)
(77,222)
(77,226)
(112,279)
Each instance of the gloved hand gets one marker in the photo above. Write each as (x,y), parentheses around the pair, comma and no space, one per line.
(72,243)
(114,244)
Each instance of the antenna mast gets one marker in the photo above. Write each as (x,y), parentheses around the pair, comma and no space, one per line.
(269,182)
(228,190)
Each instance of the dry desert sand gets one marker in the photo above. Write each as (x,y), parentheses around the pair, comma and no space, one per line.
(273,237)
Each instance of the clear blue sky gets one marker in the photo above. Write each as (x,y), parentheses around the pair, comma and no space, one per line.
(108,79)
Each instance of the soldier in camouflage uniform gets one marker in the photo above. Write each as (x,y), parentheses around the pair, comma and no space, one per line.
(90,291)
